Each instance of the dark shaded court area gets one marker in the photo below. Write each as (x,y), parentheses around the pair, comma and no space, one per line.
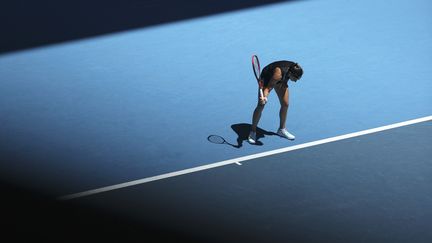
(27,24)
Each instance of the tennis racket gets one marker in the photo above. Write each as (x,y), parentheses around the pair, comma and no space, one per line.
(257,71)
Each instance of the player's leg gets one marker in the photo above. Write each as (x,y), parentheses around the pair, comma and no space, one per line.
(282,92)
(255,119)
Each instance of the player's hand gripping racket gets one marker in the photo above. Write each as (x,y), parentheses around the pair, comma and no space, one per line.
(257,71)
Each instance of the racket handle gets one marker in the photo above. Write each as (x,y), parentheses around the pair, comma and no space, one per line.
(261,93)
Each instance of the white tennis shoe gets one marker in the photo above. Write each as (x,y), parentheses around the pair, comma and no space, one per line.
(284,133)
(252,137)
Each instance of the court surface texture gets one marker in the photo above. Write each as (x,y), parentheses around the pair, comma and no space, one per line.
(104,131)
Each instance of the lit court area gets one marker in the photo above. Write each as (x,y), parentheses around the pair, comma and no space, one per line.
(106,110)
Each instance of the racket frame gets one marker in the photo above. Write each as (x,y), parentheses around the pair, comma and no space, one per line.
(255,61)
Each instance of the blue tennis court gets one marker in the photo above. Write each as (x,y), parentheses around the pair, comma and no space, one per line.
(126,115)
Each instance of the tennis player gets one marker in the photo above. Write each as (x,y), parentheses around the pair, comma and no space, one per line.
(275,76)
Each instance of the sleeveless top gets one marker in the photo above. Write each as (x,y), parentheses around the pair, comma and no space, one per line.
(267,72)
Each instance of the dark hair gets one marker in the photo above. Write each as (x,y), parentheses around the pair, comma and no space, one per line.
(296,70)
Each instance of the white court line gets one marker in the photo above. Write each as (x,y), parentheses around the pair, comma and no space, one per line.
(244,158)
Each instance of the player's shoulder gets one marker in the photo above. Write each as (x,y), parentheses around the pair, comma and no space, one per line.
(281,63)
(286,62)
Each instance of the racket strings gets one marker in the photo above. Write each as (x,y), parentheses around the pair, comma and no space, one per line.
(256,67)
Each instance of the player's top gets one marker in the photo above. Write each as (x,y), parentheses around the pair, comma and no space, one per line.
(267,72)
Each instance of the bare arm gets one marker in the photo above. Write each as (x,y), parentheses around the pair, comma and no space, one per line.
(277,75)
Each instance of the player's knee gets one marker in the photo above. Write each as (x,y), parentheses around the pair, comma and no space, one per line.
(285,105)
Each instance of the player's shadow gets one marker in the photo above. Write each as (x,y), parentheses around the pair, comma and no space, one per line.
(243,130)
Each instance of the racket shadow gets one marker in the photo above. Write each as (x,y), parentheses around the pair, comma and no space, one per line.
(219,140)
